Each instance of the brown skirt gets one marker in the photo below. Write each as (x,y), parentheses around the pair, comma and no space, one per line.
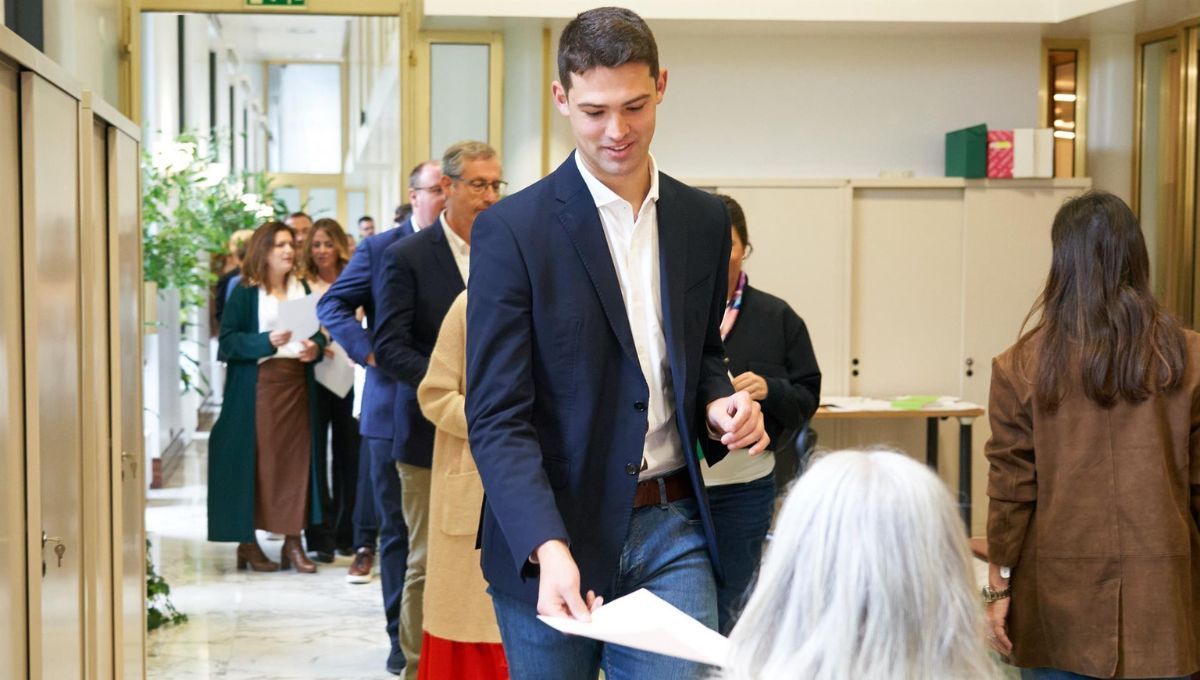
(283,447)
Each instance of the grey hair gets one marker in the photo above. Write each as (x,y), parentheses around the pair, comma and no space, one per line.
(868,575)
(457,155)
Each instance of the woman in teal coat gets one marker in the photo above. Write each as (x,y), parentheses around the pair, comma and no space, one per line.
(261,471)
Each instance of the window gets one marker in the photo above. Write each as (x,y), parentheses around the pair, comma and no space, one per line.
(304,118)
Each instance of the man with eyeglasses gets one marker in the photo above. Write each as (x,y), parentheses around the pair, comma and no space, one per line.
(422,275)
(378,509)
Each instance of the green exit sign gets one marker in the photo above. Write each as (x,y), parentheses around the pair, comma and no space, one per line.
(275,3)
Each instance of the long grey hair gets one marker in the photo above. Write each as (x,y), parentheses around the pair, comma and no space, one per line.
(868,576)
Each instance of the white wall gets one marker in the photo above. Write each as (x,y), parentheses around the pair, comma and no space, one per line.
(83,36)
(850,104)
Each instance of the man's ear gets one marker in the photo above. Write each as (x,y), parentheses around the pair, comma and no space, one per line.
(660,85)
(559,94)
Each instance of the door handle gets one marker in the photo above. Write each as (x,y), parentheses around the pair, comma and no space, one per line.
(126,458)
(60,549)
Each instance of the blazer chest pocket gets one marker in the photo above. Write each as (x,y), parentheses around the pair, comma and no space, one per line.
(558,471)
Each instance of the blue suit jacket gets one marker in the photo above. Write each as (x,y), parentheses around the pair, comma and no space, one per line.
(555,395)
(420,282)
(359,286)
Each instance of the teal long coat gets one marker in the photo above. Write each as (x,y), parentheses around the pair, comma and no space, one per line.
(231,447)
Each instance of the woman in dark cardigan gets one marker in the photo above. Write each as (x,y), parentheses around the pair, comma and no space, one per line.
(770,355)
(261,472)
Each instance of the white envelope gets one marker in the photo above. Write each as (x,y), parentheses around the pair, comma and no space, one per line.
(299,316)
(336,373)
(644,621)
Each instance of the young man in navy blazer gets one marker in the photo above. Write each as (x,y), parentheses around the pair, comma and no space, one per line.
(379,497)
(421,277)
(596,373)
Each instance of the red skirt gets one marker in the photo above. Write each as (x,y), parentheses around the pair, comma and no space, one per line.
(449,660)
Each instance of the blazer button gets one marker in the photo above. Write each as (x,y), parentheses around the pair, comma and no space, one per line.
(631,469)
(639,406)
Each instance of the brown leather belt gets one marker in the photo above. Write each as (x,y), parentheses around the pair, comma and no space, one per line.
(675,486)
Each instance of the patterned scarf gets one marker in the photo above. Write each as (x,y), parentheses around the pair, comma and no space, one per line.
(733,307)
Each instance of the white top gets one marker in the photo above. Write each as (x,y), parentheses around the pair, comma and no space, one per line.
(739,467)
(268,317)
(633,245)
(460,249)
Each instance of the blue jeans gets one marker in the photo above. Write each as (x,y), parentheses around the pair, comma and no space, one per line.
(1055,674)
(742,517)
(665,553)
(393,533)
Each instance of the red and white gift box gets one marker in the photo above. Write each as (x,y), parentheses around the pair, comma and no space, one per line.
(999,154)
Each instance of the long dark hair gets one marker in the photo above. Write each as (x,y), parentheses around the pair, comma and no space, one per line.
(1097,307)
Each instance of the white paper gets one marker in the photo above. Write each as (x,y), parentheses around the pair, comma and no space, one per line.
(299,316)
(336,372)
(644,621)
(1043,155)
(1024,153)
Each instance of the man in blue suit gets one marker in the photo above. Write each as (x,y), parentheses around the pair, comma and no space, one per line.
(421,277)
(596,372)
(379,494)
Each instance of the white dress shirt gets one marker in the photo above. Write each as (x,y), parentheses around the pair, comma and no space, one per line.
(633,244)
(460,249)
(268,318)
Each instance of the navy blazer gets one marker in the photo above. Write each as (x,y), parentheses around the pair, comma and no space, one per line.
(357,286)
(555,394)
(420,282)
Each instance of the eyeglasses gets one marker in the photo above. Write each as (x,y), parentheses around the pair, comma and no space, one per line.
(479,185)
(435,189)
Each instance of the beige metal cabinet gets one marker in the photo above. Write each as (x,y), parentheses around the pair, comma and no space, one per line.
(50,175)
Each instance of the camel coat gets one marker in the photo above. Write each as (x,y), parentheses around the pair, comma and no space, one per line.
(1096,511)
(457,606)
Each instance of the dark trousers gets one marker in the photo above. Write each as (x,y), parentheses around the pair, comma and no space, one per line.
(366,522)
(393,533)
(337,499)
(741,516)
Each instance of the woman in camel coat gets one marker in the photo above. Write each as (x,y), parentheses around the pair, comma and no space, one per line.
(461,636)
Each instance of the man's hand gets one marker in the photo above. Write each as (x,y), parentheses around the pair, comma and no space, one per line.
(558,587)
(310,351)
(753,383)
(371,360)
(737,421)
(280,338)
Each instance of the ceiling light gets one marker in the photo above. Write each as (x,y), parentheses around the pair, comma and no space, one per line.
(1064,124)
(1062,134)
(1065,97)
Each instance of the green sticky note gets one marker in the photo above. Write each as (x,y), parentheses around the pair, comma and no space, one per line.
(912,403)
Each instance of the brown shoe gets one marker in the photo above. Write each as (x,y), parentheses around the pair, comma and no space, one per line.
(292,554)
(249,554)
(360,568)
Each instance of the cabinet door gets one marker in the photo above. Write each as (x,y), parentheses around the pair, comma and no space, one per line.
(53,382)
(800,239)
(13,662)
(129,539)
(906,311)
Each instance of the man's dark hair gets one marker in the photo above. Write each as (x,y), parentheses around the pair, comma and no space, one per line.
(403,211)
(366,218)
(299,214)
(608,37)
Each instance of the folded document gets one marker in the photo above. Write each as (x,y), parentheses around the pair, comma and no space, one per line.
(644,621)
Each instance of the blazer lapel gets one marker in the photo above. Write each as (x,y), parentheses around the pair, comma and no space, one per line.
(445,258)
(581,220)
(672,259)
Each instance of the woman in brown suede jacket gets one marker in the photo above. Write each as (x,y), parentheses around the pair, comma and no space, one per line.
(1094,478)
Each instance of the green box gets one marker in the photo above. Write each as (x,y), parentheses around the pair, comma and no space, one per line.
(966,152)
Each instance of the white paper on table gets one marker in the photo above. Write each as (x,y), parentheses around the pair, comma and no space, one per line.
(644,621)
(336,372)
(299,316)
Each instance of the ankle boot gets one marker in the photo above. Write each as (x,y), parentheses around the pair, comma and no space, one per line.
(249,554)
(293,555)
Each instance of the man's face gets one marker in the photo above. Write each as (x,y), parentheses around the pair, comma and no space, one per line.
(612,114)
(475,191)
(366,228)
(302,225)
(427,197)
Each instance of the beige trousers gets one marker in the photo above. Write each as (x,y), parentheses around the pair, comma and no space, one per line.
(414,483)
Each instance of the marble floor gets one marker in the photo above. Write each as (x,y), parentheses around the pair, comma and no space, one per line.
(247,626)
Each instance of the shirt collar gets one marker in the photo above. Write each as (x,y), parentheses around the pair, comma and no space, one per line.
(602,195)
(456,241)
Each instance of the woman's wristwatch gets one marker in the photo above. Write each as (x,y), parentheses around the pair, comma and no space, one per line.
(991,595)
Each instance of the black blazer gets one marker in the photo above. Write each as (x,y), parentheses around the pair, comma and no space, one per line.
(556,399)
(420,281)
(772,341)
